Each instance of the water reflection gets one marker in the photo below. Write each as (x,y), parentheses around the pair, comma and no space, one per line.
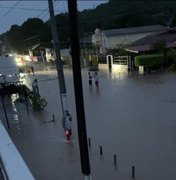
(150,79)
(117,72)
(14,111)
(136,116)
(121,72)
(71,150)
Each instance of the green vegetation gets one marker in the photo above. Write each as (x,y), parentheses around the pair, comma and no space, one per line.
(110,15)
(38,103)
(171,59)
(118,52)
(159,47)
(149,60)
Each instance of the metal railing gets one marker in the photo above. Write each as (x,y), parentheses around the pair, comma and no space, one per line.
(123,60)
(9,158)
(3,175)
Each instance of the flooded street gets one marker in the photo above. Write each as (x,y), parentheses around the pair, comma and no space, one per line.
(130,115)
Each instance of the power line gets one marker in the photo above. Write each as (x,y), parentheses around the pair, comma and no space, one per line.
(10,9)
(27,9)
(43,12)
(47,10)
(63,5)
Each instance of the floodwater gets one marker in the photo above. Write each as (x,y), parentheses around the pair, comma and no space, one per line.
(131,116)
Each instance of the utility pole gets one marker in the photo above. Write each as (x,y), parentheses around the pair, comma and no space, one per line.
(84,53)
(59,63)
(75,51)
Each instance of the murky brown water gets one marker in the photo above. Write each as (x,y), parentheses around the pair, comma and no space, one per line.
(130,115)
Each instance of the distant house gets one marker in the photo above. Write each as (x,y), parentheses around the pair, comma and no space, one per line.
(125,36)
(115,38)
(148,44)
(145,45)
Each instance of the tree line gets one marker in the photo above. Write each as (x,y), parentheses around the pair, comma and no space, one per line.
(110,15)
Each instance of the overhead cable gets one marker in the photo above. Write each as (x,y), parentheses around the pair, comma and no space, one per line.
(26,9)
(55,4)
(10,9)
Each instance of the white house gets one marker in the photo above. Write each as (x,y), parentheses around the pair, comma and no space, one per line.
(114,38)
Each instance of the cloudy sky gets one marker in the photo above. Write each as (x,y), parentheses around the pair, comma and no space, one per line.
(16,12)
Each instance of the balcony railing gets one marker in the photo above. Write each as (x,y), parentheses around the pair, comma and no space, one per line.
(12,165)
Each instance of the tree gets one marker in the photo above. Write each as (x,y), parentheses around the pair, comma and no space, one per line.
(109,15)
(13,37)
(160,47)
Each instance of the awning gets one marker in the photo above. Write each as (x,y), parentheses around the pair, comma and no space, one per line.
(137,49)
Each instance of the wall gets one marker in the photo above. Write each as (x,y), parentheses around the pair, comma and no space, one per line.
(114,41)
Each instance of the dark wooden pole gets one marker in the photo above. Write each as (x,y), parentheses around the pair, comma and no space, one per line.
(75,51)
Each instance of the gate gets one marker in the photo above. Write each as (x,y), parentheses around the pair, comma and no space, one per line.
(121,60)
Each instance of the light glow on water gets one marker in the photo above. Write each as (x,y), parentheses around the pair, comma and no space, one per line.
(119,71)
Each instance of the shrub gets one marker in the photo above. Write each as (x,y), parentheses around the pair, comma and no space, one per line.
(174,67)
(38,103)
(149,60)
(171,57)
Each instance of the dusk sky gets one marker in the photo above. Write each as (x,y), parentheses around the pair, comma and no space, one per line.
(17,12)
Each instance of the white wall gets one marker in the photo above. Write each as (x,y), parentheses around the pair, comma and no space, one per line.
(114,41)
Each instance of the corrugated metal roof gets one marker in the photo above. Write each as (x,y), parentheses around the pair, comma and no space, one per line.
(165,36)
(137,49)
(133,30)
(147,47)
(168,36)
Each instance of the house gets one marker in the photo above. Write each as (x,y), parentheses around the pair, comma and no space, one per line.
(145,45)
(148,44)
(115,38)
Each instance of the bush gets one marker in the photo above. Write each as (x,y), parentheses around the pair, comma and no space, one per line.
(38,103)
(171,57)
(149,60)
(172,67)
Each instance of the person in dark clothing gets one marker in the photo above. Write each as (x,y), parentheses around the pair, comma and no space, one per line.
(32,69)
(96,79)
(66,123)
(90,80)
